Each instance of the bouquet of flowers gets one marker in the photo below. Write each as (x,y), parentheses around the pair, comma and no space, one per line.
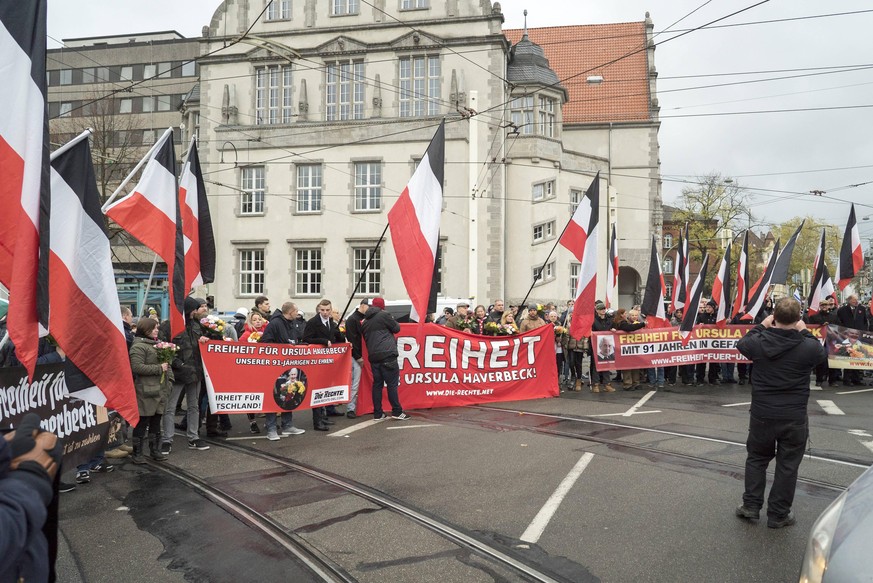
(166,353)
(255,336)
(491,329)
(213,326)
(508,330)
(464,324)
(290,394)
(560,331)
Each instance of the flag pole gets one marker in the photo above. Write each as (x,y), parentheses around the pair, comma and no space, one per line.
(543,268)
(136,168)
(364,272)
(145,297)
(71,143)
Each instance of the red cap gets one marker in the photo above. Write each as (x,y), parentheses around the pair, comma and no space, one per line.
(378,303)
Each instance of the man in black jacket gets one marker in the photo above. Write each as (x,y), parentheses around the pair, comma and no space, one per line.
(852,315)
(353,335)
(321,329)
(379,328)
(784,353)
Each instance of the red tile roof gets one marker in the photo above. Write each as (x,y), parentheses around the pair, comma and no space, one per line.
(582,50)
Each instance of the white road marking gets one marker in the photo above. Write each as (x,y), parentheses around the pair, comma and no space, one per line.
(415,426)
(250,437)
(853,392)
(623,414)
(535,530)
(356,427)
(830,408)
(859,433)
(737,404)
(868,445)
(639,404)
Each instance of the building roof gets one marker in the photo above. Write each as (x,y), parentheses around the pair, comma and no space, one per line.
(528,65)
(582,50)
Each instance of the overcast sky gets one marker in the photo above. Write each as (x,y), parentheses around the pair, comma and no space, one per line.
(794,152)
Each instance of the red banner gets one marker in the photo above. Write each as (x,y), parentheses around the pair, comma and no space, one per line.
(250,377)
(443,367)
(658,347)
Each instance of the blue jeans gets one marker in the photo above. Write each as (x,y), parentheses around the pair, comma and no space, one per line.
(656,375)
(356,382)
(91,464)
(386,373)
(727,371)
(270,422)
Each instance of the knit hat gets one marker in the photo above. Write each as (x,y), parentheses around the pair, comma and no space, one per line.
(378,303)
(532,307)
(598,305)
(192,303)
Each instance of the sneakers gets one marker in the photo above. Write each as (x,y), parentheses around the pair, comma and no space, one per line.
(66,487)
(293,431)
(83,477)
(379,416)
(787,520)
(103,468)
(116,454)
(744,511)
(166,448)
(401,416)
(273,436)
(351,415)
(198,444)
(253,427)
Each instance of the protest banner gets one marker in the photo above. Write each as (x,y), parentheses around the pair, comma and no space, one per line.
(250,377)
(657,347)
(849,348)
(443,367)
(83,427)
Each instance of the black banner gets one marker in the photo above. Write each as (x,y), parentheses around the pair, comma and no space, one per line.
(83,427)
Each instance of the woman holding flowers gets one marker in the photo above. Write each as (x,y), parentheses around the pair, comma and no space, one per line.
(507,322)
(150,361)
(254,328)
(480,316)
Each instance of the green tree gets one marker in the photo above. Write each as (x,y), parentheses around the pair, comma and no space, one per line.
(807,245)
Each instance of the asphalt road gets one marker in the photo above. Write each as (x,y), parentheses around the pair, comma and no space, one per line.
(649,486)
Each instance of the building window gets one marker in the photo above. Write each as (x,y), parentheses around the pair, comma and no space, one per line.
(66,76)
(543,231)
(372,282)
(251,272)
(438,268)
(273,101)
(308,188)
(368,186)
(189,69)
(279,10)
(547,116)
(548,275)
(668,240)
(164,70)
(148,104)
(125,106)
(149,71)
(253,191)
(148,137)
(419,86)
(344,97)
(521,113)
(543,190)
(164,102)
(126,73)
(668,265)
(343,7)
(668,293)
(574,278)
(66,109)
(307,269)
(413,4)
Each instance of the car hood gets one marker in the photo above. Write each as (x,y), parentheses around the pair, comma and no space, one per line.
(850,557)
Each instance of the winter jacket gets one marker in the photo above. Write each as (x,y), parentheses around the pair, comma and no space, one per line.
(188,366)
(821,318)
(248,329)
(280,330)
(853,317)
(353,333)
(527,324)
(316,332)
(151,393)
(378,329)
(783,360)
(24,496)
(626,326)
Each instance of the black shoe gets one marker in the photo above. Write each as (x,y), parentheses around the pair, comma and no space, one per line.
(253,427)
(334,414)
(103,468)
(226,426)
(322,427)
(66,487)
(166,448)
(198,444)
(328,422)
(216,433)
(781,522)
(351,415)
(747,513)
(742,381)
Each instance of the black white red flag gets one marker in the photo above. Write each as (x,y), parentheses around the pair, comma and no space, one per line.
(851,255)
(693,300)
(199,239)
(653,298)
(612,270)
(780,271)
(758,292)
(151,214)
(822,286)
(680,273)
(742,296)
(24,173)
(580,238)
(415,224)
(721,289)
(85,319)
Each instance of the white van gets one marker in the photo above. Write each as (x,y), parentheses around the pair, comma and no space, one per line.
(400,309)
